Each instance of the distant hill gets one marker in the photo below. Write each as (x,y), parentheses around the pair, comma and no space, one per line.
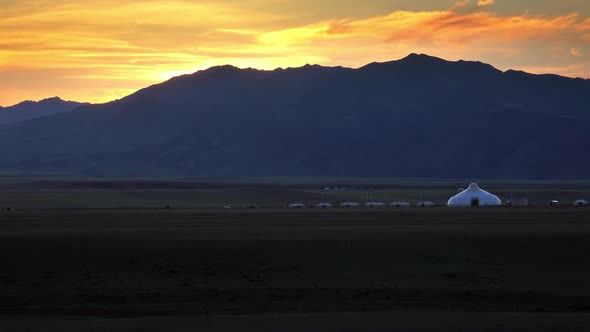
(416,117)
(32,110)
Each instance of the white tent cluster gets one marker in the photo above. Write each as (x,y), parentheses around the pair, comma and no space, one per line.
(371,204)
(423,204)
(474,197)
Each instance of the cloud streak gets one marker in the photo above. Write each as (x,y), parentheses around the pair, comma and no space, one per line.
(485,3)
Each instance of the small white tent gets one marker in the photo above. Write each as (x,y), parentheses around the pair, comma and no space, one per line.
(424,204)
(474,196)
(374,204)
(323,205)
(350,205)
(297,206)
(400,204)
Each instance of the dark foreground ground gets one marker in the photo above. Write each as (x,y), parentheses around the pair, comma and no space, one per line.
(280,270)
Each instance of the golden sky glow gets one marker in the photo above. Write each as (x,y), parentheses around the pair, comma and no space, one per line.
(102,50)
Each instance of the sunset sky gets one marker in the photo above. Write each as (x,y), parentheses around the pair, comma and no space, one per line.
(97,51)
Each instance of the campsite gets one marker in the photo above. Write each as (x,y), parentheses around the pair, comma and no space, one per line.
(151,268)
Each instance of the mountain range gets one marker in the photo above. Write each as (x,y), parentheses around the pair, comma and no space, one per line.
(420,116)
(28,110)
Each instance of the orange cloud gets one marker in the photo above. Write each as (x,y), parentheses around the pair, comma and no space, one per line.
(485,3)
(460,4)
(439,27)
(576,51)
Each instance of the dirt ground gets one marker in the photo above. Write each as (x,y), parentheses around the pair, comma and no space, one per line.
(283,270)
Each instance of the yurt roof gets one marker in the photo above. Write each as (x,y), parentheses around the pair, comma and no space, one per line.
(465,197)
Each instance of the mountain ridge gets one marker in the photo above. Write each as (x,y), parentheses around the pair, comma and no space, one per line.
(416,117)
(411,58)
(280,69)
(28,109)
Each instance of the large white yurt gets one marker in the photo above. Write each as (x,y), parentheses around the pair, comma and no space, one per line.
(474,197)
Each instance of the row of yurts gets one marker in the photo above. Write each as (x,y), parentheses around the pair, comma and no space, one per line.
(473,196)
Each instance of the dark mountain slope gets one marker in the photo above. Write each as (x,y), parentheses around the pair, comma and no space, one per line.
(416,117)
(32,110)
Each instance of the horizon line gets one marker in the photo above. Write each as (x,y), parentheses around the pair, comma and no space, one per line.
(297,67)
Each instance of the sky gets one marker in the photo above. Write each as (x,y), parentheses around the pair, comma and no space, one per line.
(98,51)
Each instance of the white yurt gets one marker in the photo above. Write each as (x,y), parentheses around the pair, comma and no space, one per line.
(474,196)
(350,205)
(323,205)
(297,206)
(424,204)
(581,202)
(374,204)
(400,204)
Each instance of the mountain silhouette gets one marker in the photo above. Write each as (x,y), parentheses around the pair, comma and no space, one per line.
(416,117)
(32,110)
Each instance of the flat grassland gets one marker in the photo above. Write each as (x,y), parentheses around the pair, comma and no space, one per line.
(524,269)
